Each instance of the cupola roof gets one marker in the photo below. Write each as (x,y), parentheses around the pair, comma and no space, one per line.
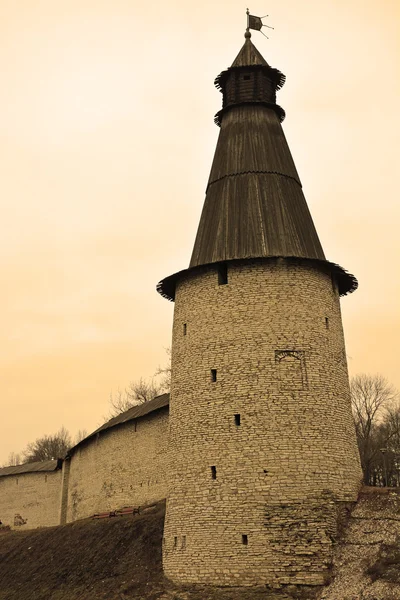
(254,206)
(249,55)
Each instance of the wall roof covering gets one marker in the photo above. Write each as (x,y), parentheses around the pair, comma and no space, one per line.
(131,414)
(34,467)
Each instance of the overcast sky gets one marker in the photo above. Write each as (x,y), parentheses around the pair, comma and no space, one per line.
(107,138)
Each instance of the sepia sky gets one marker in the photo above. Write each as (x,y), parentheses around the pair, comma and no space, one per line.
(106,142)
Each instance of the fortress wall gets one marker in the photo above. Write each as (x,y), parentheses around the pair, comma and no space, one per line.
(30,500)
(263,458)
(121,466)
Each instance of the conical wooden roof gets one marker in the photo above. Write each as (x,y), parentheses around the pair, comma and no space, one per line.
(249,56)
(254,206)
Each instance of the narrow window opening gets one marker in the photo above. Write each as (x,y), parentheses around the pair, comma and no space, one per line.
(135,426)
(327,322)
(222,274)
(237,420)
(245,541)
(213,375)
(213,472)
(184,328)
(183,542)
(246,77)
(175,542)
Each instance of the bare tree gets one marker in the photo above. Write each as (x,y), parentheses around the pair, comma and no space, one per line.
(14,458)
(164,373)
(386,464)
(142,390)
(80,435)
(137,392)
(372,397)
(48,447)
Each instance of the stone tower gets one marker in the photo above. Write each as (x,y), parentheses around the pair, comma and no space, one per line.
(263,455)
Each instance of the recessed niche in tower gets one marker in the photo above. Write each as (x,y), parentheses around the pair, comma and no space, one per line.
(213,472)
(222,274)
(291,369)
(245,540)
(213,375)
(327,322)
(175,542)
(237,420)
(184,329)
(183,542)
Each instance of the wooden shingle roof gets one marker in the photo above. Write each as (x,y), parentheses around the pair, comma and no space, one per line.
(254,205)
(249,56)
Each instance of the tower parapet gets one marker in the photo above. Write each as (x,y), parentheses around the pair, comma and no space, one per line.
(262,450)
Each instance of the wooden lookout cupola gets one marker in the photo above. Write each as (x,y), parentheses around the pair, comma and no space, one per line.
(249,80)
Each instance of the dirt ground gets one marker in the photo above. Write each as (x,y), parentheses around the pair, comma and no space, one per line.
(106,559)
(120,559)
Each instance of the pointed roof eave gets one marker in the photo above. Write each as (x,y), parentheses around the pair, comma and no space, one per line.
(249,56)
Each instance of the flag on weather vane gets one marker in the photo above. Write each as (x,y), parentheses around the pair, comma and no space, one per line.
(256,23)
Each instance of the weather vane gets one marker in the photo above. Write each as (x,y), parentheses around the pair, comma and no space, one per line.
(256,23)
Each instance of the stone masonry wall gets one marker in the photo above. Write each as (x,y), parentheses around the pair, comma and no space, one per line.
(122,466)
(262,452)
(64,492)
(30,500)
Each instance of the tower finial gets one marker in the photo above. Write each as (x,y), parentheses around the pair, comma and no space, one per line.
(247,33)
(256,23)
